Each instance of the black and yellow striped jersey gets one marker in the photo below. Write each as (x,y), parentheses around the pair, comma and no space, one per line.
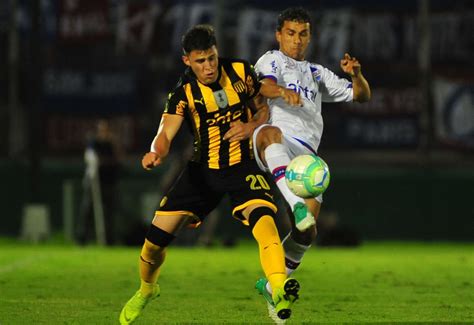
(209,109)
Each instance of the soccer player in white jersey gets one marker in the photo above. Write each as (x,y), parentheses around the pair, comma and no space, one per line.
(296,130)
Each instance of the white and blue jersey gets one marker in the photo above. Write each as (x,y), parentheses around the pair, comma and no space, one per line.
(314,83)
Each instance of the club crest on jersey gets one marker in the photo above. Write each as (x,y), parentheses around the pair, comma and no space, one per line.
(221,98)
(316,73)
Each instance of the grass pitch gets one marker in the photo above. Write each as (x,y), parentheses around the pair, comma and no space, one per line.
(377,282)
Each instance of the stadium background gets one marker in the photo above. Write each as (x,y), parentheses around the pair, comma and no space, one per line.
(402,165)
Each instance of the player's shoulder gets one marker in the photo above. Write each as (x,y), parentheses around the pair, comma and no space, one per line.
(186,77)
(314,65)
(271,55)
(270,63)
(178,91)
(234,61)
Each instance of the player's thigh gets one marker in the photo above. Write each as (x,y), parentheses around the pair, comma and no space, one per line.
(296,147)
(172,223)
(191,195)
(248,188)
(259,146)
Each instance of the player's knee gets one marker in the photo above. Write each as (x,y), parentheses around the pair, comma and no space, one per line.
(158,237)
(264,230)
(257,213)
(267,136)
(153,249)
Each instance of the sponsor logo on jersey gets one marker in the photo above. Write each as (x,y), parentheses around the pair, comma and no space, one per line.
(302,89)
(218,119)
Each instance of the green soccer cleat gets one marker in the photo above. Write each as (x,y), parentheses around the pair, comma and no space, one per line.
(261,287)
(303,218)
(284,298)
(135,305)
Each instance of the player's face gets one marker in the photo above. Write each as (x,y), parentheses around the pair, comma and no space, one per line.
(204,64)
(294,39)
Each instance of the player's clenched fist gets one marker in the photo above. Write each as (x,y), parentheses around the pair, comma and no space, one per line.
(290,96)
(150,160)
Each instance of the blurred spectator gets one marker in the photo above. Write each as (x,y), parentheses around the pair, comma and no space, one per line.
(98,207)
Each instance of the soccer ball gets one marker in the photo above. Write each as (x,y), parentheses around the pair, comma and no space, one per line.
(307,176)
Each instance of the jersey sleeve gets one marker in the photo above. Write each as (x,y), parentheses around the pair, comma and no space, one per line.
(251,80)
(333,88)
(268,66)
(177,102)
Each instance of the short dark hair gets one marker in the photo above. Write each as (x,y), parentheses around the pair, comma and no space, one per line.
(297,14)
(199,37)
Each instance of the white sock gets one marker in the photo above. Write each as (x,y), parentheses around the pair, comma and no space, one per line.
(269,288)
(294,253)
(277,159)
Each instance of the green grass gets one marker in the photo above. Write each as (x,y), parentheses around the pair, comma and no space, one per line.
(377,282)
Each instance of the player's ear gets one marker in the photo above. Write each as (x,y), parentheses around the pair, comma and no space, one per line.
(186,60)
(278,36)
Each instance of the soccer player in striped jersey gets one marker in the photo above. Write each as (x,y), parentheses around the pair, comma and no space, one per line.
(295,130)
(219,100)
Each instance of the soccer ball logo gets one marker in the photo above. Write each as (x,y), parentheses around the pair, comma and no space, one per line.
(307,176)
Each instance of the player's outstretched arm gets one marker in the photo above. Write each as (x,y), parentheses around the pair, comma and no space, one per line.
(169,126)
(352,67)
(240,131)
(270,89)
